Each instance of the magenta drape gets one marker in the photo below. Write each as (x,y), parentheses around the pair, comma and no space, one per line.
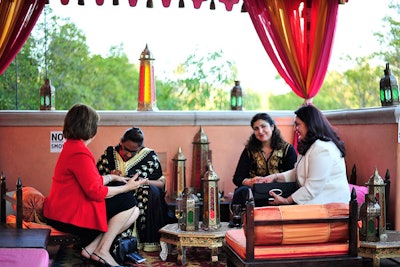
(17,19)
(297,36)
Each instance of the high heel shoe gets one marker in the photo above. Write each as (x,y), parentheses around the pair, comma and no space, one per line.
(103,262)
(86,261)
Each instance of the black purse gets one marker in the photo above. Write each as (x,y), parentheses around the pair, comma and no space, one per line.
(261,191)
(124,244)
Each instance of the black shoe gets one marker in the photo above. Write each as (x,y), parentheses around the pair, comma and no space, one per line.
(103,262)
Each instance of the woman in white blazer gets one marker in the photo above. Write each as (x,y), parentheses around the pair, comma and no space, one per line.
(320,170)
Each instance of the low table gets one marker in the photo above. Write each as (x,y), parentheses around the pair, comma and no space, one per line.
(382,249)
(24,238)
(170,234)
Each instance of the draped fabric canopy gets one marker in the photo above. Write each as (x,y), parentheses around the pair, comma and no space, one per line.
(296,34)
(298,37)
(17,19)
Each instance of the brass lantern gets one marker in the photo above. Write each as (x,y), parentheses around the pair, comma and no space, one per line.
(237,97)
(47,96)
(179,174)
(389,89)
(201,156)
(369,215)
(191,211)
(211,215)
(376,187)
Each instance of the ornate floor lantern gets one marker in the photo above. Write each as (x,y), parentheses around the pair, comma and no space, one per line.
(388,88)
(147,86)
(191,211)
(179,174)
(376,187)
(369,215)
(211,215)
(201,156)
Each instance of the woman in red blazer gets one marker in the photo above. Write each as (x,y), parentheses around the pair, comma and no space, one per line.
(81,201)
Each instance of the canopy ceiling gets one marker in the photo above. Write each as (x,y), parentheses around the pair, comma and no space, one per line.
(166,3)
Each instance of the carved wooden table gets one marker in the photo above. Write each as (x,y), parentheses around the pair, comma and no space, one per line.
(388,249)
(170,234)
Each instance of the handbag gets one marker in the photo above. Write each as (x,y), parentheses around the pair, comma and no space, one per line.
(124,244)
(261,191)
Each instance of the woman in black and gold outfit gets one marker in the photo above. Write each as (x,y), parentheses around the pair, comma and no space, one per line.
(128,158)
(265,153)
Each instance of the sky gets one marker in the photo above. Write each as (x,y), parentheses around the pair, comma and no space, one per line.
(172,34)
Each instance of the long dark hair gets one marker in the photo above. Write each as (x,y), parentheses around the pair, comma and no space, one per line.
(253,144)
(318,127)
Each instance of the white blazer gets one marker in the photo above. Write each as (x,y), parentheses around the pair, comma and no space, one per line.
(321,175)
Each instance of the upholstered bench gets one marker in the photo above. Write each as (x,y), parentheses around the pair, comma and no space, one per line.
(296,235)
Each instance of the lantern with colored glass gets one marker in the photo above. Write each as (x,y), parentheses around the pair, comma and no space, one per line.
(369,215)
(389,89)
(47,96)
(147,86)
(211,215)
(191,211)
(237,97)
(377,187)
(179,174)
(201,156)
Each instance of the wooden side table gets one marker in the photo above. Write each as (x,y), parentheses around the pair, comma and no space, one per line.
(170,234)
(383,249)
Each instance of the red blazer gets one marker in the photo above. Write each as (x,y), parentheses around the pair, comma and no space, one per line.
(77,194)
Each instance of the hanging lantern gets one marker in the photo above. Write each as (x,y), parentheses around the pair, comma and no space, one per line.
(47,96)
(389,89)
(201,156)
(179,174)
(147,86)
(377,187)
(191,211)
(236,97)
(369,215)
(211,215)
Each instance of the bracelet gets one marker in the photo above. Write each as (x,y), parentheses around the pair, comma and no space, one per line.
(276,177)
(287,201)
(109,178)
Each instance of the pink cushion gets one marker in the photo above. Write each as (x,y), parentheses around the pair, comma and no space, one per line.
(22,257)
(361,191)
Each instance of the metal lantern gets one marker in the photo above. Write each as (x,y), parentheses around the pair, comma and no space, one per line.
(191,211)
(377,188)
(201,156)
(211,215)
(369,215)
(47,96)
(237,97)
(179,174)
(147,84)
(389,89)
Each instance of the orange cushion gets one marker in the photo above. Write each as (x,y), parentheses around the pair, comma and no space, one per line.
(300,233)
(236,239)
(32,205)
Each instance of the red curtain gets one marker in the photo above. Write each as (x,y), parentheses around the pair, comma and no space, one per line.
(17,19)
(297,35)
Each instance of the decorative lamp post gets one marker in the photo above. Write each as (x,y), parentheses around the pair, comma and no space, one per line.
(369,215)
(201,156)
(179,174)
(211,215)
(376,187)
(389,89)
(236,97)
(147,86)
(47,96)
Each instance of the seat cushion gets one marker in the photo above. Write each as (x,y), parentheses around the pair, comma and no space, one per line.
(22,257)
(236,239)
(293,234)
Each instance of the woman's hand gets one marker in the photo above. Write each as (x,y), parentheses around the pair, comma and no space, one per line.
(116,172)
(278,200)
(132,184)
(267,179)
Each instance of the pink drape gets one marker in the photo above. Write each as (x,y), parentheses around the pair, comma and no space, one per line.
(17,19)
(297,35)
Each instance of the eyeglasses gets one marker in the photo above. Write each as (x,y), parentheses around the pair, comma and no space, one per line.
(130,151)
